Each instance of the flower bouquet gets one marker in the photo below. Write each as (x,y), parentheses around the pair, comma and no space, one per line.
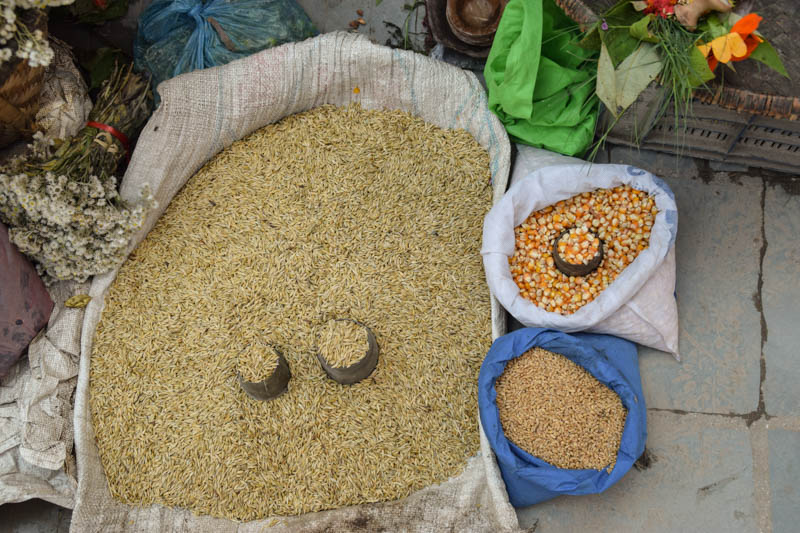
(679,44)
(61,203)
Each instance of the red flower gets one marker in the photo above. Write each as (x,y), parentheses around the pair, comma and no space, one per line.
(662,8)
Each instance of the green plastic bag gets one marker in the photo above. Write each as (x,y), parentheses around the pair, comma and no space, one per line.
(540,85)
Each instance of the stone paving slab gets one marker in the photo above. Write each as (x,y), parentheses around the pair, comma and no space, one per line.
(336,15)
(781,301)
(784,471)
(719,240)
(700,480)
(659,163)
(34,516)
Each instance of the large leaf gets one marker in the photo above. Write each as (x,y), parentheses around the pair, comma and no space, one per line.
(591,40)
(699,71)
(619,88)
(766,54)
(636,72)
(620,44)
(607,81)
(641,30)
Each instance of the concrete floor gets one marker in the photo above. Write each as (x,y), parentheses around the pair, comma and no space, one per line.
(723,425)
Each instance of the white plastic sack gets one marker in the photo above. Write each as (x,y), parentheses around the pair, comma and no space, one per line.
(203,112)
(640,304)
(36,432)
(64,102)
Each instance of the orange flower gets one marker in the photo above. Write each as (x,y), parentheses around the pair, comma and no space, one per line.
(734,46)
(746,27)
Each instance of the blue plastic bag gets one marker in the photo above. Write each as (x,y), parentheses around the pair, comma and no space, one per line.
(613,361)
(177,36)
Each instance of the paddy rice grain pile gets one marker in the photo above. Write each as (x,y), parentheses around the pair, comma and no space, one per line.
(343,343)
(555,410)
(257,362)
(335,212)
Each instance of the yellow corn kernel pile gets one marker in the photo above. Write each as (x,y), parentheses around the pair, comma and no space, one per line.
(621,217)
(578,246)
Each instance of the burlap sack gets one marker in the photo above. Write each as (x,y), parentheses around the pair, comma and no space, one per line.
(205,111)
(36,432)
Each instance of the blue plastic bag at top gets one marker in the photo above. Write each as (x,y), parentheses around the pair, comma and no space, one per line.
(613,361)
(177,36)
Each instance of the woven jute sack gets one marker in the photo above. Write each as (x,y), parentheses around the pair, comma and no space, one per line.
(204,112)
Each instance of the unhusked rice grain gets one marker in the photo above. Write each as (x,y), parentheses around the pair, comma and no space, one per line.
(557,411)
(343,343)
(257,362)
(372,215)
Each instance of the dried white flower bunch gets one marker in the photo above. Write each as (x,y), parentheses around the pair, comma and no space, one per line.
(73,228)
(31,46)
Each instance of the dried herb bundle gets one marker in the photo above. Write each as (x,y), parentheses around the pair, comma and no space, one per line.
(63,208)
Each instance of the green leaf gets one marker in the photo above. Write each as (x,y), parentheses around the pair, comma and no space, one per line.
(591,40)
(715,27)
(618,39)
(641,30)
(102,64)
(635,73)
(89,12)
(378,2)
(698,64)
(607,81)
(766,54)
(620,44)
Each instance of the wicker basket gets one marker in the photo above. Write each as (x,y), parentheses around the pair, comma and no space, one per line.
(19,93)
(728,124)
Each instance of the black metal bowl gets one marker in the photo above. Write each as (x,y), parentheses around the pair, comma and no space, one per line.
(273,386)
(360,369)
(571,269)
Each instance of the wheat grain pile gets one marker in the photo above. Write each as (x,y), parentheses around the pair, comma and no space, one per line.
(371,215)
(557,411)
